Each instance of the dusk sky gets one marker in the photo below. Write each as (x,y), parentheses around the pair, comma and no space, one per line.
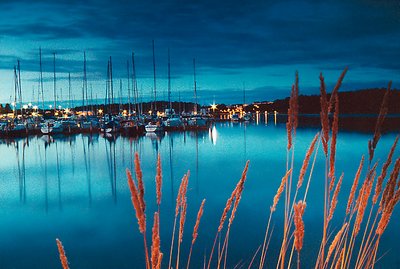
(253,44)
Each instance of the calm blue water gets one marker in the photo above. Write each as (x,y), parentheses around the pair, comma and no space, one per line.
(74,188)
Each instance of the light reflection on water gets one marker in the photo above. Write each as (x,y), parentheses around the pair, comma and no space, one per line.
(75,188)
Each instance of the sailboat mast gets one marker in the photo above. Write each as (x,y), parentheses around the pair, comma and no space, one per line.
(120,95)
(69,89)
(41,77)
(195,86)
(169,82)
(19,86)
(129,90)
(84,88)
(15,91)
(91,98)
(134,86)
(106,99)
(54,81)
(111,84)
(154,75)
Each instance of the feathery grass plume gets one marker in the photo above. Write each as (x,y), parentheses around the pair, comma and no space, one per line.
(382,114)
(387,213)
(182,218)
(390,185)
(63,257)
(298,231)
(280,190)
(140,215)
(155,247)
(139,177)
(306,161)
(335,129)
(339,261)
(335,242)
(179,195)
(370,173)
(196,226)
(299,225)
(354,186)
(324,115)
(335,198)
(385,167)
(336,89)
(158,180)
(179,198)
(228,206)
(238,194)
(289,124)
(332,183)
(363,199)
(293,112)
(195,230)
(181,226)
(289,127)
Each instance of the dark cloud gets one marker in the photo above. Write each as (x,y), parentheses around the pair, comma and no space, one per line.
(225,37)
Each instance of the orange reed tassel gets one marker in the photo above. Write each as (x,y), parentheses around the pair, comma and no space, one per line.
(354,186)
(299,225)
(382,114)
(280,190)
(182,219)
(335,242)
(363,199)
(335,129)
(63,257)
(390,185)
(140,216)
(239,190)
(155,247)
(306,161)
(196,226)
(324,115)
(293,111)
(336,89)
(387,213)
(335,198)
(139,177)
(385,167)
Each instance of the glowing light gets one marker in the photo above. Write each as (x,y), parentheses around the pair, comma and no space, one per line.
(35,107)
(25,106)
(213,107)
(100,111)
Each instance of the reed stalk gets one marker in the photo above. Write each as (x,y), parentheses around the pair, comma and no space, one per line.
(63,257)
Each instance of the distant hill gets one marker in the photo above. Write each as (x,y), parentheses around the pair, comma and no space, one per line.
(366,101)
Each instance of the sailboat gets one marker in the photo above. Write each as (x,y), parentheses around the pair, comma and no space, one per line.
(196,121)
(108,123)
(132,125)
(155,125)
(173,120)
(52,126)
